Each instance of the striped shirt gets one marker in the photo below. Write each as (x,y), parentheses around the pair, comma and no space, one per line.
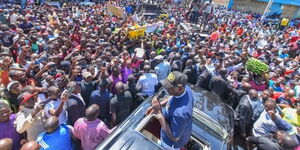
(265,125)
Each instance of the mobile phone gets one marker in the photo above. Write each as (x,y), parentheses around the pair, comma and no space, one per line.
(68,91)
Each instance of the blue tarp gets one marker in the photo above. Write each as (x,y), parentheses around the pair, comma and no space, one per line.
(275,9)
(286,2)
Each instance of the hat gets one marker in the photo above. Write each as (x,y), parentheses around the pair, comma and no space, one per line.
(4,104)
(174,79)
(24,97)
(65,64)
(9,86)
(87,74)
(159,57)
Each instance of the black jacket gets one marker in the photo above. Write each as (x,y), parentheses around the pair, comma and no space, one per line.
(75,109)
(235,96)
(243,114)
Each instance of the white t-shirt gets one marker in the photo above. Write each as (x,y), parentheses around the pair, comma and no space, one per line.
(13,19)
(208,7)
(54,105)
(148,82)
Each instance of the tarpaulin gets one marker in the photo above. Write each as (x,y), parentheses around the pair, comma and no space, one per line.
(286,2)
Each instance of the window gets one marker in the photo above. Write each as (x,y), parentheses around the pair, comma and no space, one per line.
(196,144)
(150,128)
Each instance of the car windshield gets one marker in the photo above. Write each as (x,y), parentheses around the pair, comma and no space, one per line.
(212,106)
(207,121)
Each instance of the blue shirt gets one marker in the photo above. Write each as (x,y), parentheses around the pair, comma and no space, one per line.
(274,87)
(61,139)
(283,56)
(282,100)
(128,9)
(178,113)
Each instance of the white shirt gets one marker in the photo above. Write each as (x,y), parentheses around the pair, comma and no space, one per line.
(208,8)
(148,82)
(33,126)
(13,19)
(53,105)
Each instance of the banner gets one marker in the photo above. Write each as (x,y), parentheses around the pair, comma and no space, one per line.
(151,28)
(117,11)
(221,2)
(136,33)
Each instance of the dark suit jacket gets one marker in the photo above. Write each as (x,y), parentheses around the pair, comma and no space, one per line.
(75,109)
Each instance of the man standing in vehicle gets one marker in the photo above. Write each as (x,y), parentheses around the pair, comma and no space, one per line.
(176,117)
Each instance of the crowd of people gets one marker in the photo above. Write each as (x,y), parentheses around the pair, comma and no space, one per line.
(86,52)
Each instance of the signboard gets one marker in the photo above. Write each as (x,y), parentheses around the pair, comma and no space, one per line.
(152,27)
(221,2)
(115,10)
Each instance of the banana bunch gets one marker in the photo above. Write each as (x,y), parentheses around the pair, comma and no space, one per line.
(256,66)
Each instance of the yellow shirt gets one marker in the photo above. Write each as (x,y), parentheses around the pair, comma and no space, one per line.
(284,22)
(290,115)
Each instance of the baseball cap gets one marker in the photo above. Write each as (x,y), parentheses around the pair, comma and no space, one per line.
(174,79)
(24,97)
(9,86)
(87,74)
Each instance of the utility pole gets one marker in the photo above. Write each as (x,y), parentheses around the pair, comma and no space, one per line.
(266,10)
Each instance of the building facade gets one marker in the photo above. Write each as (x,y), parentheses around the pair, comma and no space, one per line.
(287,8)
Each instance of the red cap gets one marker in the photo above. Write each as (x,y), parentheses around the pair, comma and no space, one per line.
(26,97)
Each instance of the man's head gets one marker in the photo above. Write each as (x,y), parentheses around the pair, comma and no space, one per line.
(32,145)
(159,58)
(119,87)
(246,86)
(87,76)
(14,87)
(223,72)
(270,105)
(285,140)
(52,68)
(103,85)
(115,71)
(279,81)
(147,68)
(75,85)
(253,94)
(289,94)
(6,144)
(5,111)
(189,62)
(26,100)
(131,78)
(65,66)
(53,92)
(51,124)
(266,94)
(92,112)
(175,83)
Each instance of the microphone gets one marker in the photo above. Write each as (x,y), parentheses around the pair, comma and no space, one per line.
(161,95)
